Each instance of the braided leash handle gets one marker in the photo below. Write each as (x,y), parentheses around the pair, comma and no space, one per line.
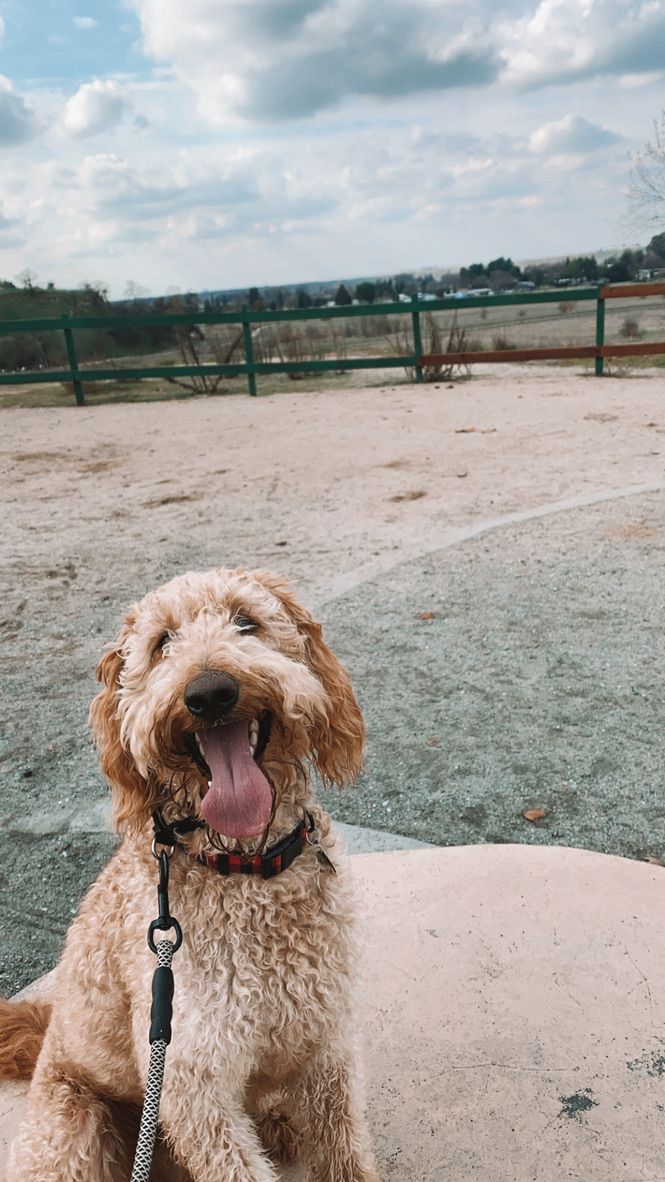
(160,1015)
(145,1146)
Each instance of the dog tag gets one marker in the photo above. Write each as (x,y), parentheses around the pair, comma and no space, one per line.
(314,839)
(324,859)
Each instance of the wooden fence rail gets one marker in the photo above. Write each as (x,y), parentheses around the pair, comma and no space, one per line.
(251,368)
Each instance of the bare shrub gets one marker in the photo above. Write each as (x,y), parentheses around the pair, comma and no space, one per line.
(618,367)
(500,341)
(433,342)
(287,343)
(373,326)
(630,329)
(191,345)
(566,307)
(648,177)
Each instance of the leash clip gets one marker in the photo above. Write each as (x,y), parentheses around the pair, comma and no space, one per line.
(165,921)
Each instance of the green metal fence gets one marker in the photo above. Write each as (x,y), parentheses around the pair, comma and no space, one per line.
(76,375)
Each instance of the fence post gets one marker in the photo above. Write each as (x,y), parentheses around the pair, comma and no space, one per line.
(249,351)
(74,366)
(600,333)
(417,339)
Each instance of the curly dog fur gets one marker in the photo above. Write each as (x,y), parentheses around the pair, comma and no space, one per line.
(263,1065)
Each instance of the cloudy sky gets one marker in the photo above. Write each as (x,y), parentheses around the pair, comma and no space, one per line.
(218,143)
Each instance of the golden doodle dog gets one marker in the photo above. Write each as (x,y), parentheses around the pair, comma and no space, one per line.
(217,696)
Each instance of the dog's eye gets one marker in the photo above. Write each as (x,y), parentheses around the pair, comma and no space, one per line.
(161,642)
(245,624)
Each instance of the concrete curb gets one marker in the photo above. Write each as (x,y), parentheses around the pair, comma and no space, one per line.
(96,819)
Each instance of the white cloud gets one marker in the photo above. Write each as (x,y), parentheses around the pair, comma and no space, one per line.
(85,22)
(96,106)
(259,59)
(565,39)
(573,133)
(635,81)
(18,122)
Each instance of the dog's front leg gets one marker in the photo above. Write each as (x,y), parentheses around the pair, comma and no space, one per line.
(209,1131)
(334,1136)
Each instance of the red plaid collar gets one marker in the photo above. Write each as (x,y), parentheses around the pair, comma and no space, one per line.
(271,862)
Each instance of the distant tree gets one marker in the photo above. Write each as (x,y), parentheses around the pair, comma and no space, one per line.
(501,280)
(427,283)
(534,275)
(365,292)
(101,288)
(303,298)
(405,283)
(625,267)
(385,290)
(473,276)
(343,296)
(657,245)
(647,192)
(653,261)
(582,267)
(502,264)
(27,279)
(135,291)
(617,271)
(255,300)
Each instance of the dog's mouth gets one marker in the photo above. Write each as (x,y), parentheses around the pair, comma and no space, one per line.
(239,800)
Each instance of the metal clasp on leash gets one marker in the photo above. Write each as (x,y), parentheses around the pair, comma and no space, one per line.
(165,921)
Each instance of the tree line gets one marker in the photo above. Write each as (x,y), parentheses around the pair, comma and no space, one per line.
(498,274)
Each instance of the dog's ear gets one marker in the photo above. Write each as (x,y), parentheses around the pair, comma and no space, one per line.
(338,741)
(129,790)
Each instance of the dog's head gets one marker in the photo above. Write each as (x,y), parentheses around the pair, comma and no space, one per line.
(217,692)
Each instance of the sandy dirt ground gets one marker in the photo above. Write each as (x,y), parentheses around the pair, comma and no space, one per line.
(486,557)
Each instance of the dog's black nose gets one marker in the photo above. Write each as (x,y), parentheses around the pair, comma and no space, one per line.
(211,695)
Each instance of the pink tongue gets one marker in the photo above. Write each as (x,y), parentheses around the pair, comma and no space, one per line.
(238,802)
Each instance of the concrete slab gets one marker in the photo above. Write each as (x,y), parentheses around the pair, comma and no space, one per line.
(515,1015)
(360,840)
